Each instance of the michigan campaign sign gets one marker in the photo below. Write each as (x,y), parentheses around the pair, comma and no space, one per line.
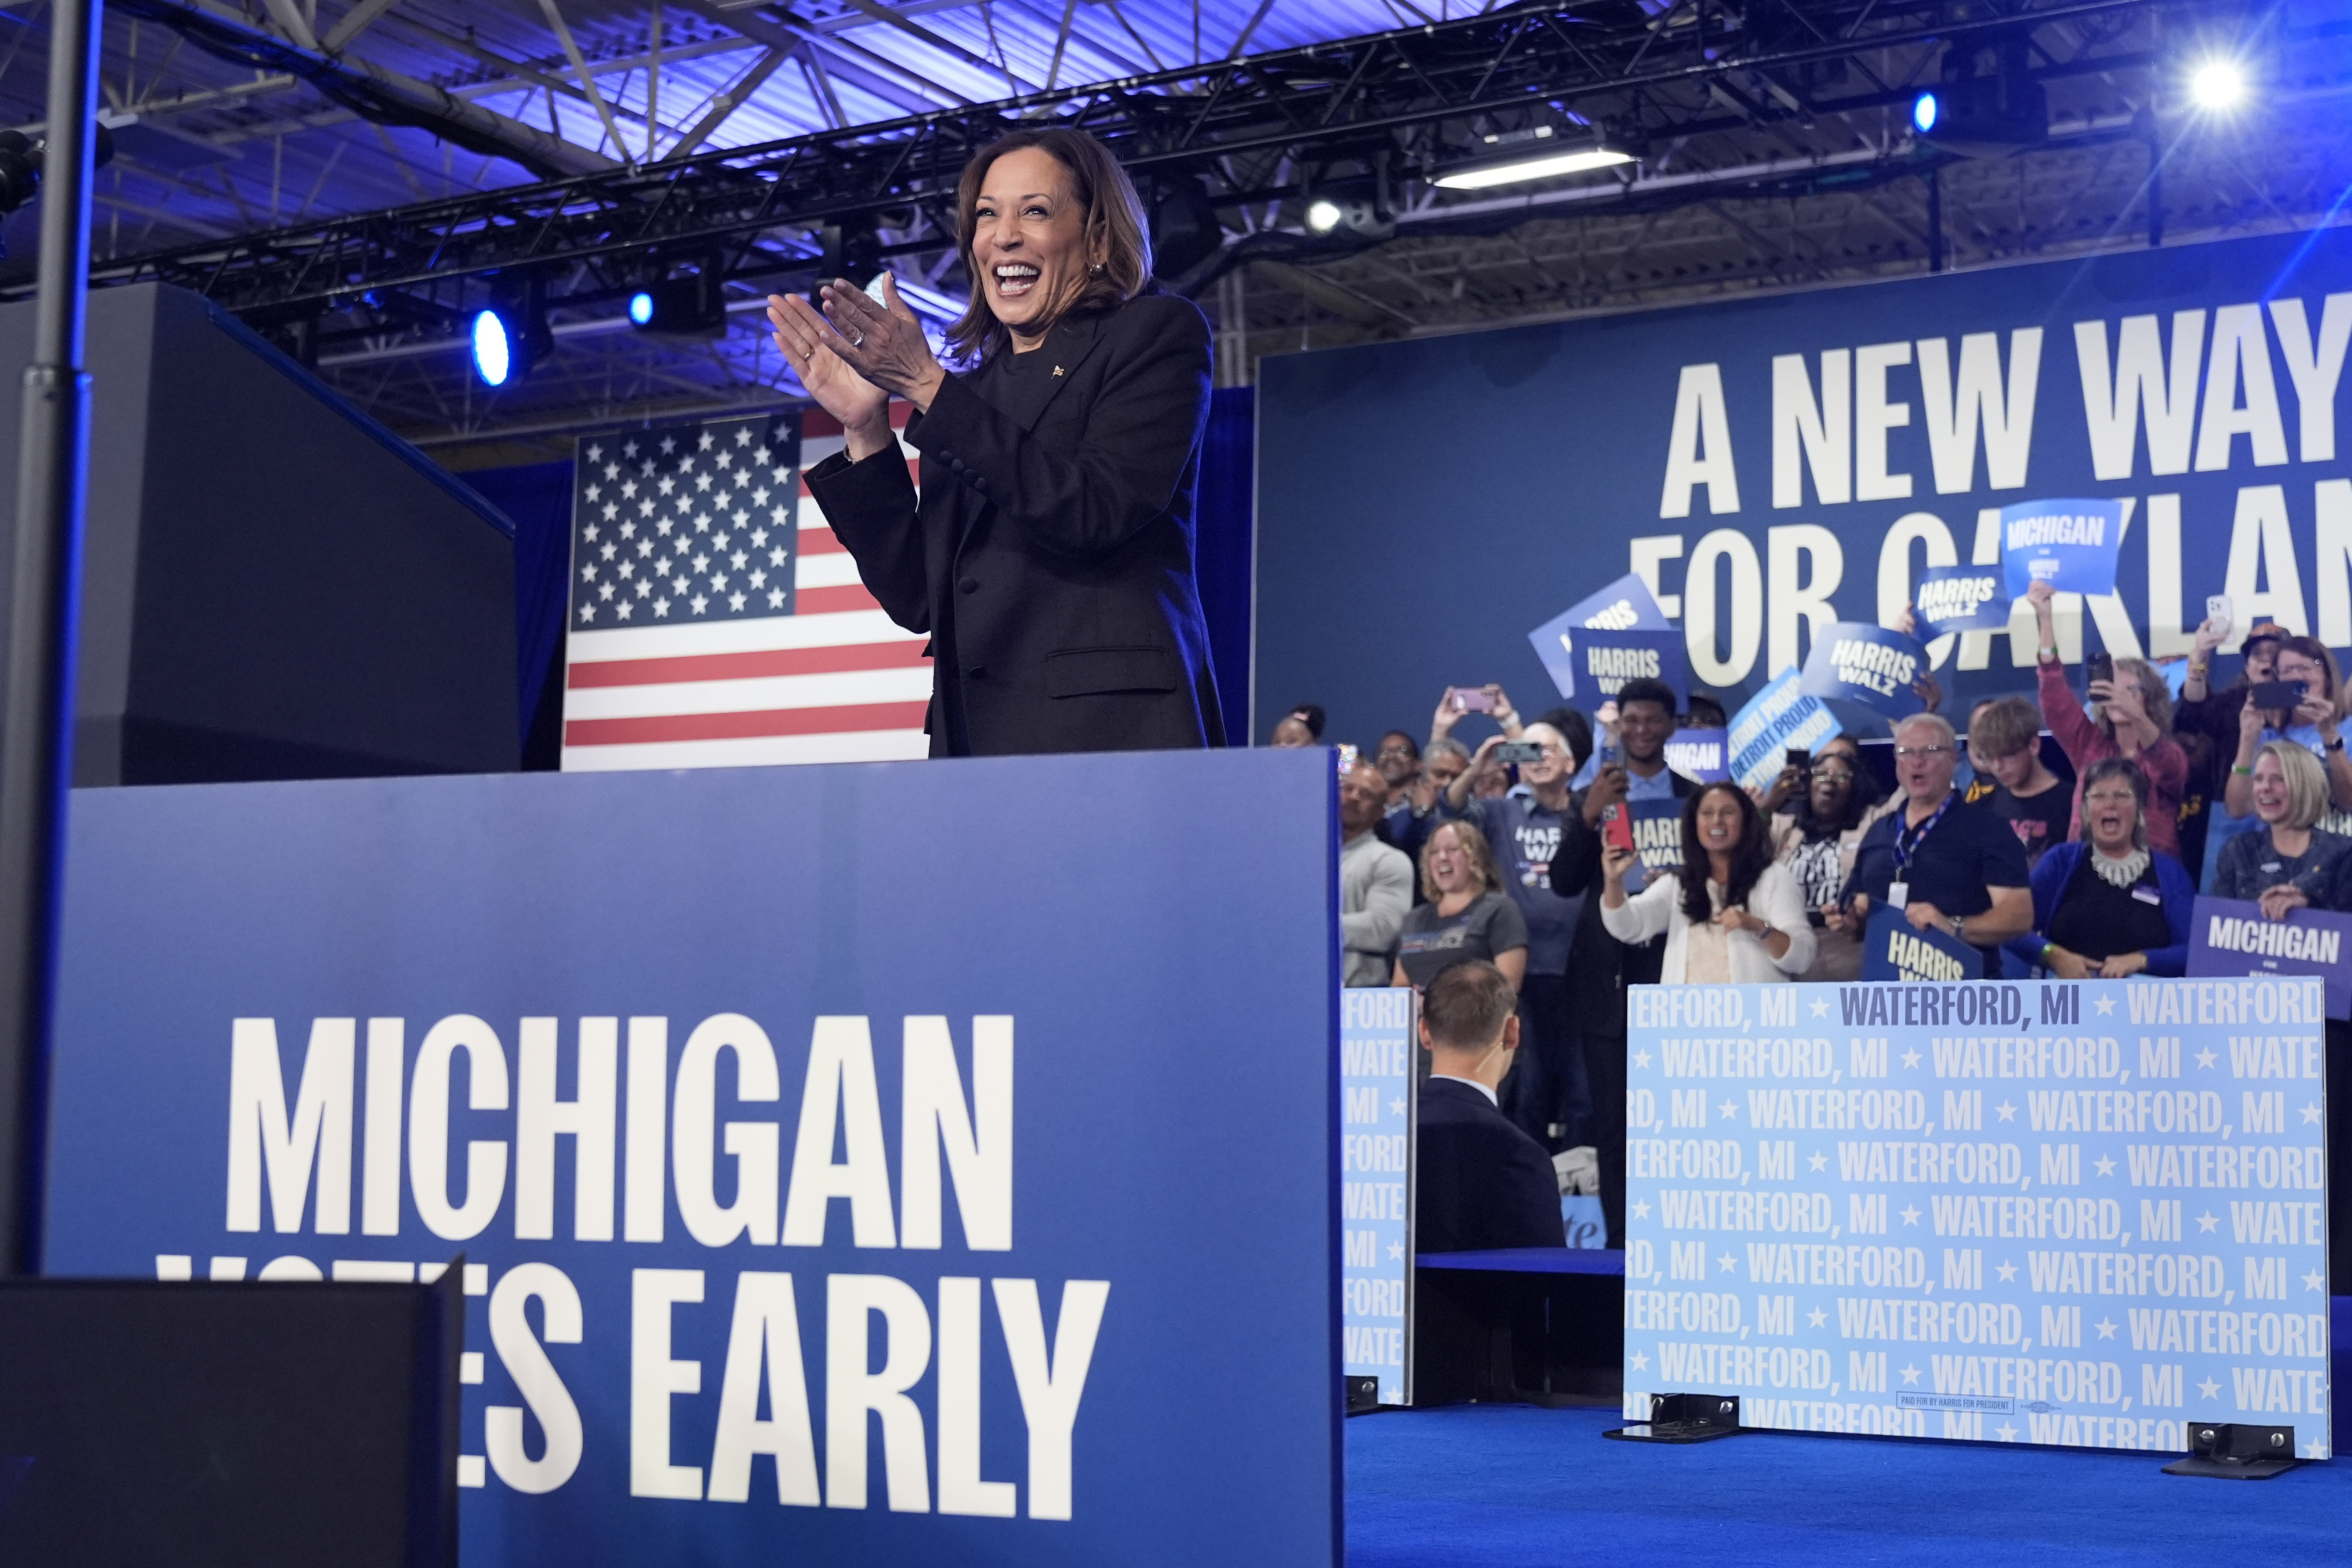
(2144,428)
(2083,1215)
(842,1177)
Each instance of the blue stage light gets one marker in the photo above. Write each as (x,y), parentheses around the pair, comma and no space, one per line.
(641,308)
(493,348)
(1924,109)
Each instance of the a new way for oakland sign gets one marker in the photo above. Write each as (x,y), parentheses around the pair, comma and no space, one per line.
(2074,1214)
(924,1163)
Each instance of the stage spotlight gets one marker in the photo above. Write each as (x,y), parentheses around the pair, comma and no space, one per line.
(1988,104)
(493,348)
(510,335)
(2218,86)
(1323,215)
(1185,229)
(693,306)
(1535,154)
(1925,109)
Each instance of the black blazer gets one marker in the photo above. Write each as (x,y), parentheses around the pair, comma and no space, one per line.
(1050,558)
(1481,1182)
(1602,965)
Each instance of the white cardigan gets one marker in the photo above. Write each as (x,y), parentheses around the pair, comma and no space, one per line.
(1775,898)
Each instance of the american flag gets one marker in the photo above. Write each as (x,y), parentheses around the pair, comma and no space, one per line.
(714,618)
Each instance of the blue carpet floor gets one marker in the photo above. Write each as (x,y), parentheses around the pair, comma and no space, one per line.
(1513,1486)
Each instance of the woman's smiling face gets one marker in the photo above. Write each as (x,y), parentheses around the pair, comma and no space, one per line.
(1028,240)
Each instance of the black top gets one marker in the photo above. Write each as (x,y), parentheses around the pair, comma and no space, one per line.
(1600,965)
(1050,555)
(2098,920)
(2249,862)
(1955,867)
(2037,820)
(1481,1182)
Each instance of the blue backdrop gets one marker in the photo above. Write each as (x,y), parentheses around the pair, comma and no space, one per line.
(1778,465)
(1169,1106)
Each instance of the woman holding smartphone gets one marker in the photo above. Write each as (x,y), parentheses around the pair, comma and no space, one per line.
(1730,915)
(2135,722)
(2311,722)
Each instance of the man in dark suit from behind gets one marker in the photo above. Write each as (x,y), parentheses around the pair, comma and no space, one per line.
(1483,1183)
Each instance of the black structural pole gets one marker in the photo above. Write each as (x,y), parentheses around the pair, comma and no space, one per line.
(36,727)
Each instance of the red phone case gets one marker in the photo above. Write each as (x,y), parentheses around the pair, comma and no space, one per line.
(1616,828)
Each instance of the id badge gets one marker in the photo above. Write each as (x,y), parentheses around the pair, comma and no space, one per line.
(2147,895)
(1898,894)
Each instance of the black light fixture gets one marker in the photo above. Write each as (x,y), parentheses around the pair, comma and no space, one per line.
(21,158)
(851,250)
(510,335)
(1988,104)
(1184,227)
(693,306)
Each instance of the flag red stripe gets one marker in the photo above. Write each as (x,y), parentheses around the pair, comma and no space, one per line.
(745,726)
(746,665)
(825,601)
(821,541)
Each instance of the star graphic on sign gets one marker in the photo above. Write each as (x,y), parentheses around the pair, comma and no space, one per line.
(742,434)
(1640,1059)
(2007,1433)
(743,519)
(661,609)
(2208,1221)
(604,590)
(1641,1211)
(669,445)
(1730,1108)
(628,449)
(611,510)
(588,572)
(2105,1005)
(1730,1261)
(760,496)
(623,609)
(629,490)
(2314,1280)
(663,526)
(587,613)
(668,484)
(596,452)
(2205,1059)
(2311,1112)
(2104,1165)
(1819,1162)
(775,598)
(704,444)
(2008,1111)
(644,587)
(1396,1250)
(699,603)
(760,578)
(685,464)
(1816,1318)
(2210,1389)
(776,556)
(725,460)
(740,559)
(1821,1007)
(1910,1215)
(1396,1107)
(718,582)
(607,550)
(2315,1449)
(1640,1362)
(2006,1272)
(735,601)
(612,471)
(701,482)
(1910,1374)
(2107,1327)
(1910,1058)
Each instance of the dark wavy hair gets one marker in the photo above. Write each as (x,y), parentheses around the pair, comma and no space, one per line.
(1118,234)
(1748,858)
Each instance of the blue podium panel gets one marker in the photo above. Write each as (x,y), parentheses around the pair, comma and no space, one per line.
(2081,1215)
(903,1163)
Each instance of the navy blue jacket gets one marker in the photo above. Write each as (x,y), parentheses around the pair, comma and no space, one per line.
(1482,1183)
(1050,556)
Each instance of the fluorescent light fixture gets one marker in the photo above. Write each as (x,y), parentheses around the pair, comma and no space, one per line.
(928,301)
(493,351)
(1323,215)
(1926,109)
(2218,86)
(1523,156)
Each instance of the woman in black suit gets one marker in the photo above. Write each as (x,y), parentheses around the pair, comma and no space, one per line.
(1050,556)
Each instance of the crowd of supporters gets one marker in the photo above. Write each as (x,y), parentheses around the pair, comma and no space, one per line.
(2062,834)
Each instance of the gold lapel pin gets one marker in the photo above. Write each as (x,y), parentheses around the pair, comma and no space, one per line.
(1057,370)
